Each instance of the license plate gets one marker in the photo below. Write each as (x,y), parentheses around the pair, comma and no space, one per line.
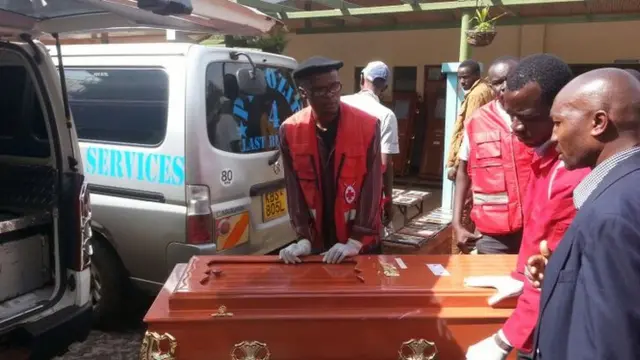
(274,205)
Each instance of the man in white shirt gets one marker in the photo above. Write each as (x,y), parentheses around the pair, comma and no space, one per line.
(373,82)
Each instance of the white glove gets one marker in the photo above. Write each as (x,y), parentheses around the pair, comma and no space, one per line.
(339,252)
(388,230)
(486,349)
(506,285)
(291,254)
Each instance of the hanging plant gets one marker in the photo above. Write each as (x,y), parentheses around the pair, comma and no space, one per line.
(483,27)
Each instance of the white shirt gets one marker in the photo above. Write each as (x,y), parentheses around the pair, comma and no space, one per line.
(463,154)
(368,102)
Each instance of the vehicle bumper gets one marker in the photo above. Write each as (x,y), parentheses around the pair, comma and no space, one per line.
(53,334)
(181,253)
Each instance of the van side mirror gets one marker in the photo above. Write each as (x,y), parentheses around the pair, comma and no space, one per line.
(251,81)
(167,7)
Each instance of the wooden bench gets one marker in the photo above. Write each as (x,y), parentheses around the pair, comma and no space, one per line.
(406,199)
(430,233)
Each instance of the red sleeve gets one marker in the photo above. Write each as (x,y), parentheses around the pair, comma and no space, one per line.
(298,209)
(518,328)
(560,209)
(367,221)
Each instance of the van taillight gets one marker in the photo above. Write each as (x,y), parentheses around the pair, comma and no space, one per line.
(83,213)
(199,216)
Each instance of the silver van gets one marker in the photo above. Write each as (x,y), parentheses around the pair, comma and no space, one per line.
(45,212)
(177,157)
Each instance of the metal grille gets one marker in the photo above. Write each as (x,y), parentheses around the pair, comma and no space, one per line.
(27,186)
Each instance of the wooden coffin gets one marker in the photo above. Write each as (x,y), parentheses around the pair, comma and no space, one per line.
(371,307)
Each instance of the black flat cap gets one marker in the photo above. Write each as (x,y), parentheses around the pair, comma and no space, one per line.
(316,65)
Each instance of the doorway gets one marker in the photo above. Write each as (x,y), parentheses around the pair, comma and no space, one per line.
(426,161)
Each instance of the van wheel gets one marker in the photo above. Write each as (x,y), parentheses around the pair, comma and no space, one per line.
(108,284)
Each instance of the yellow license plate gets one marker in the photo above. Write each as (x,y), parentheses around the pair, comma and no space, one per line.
(274,205)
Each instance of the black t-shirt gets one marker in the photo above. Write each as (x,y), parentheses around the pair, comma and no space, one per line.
(328,136)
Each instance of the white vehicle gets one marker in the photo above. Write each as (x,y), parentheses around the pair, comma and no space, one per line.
(177,157)
(45,215)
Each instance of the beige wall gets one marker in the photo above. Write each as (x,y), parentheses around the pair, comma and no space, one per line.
(575,43)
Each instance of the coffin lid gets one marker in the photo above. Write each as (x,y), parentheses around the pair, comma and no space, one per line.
(264,287)
(72,16)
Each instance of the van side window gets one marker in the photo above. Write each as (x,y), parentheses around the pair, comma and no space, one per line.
(245,124)
(23,129)
(119,105)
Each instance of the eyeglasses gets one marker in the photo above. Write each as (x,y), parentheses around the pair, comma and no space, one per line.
(325,90)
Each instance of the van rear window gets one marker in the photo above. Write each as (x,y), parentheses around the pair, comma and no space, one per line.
(245,124)
(23,129)
(124,105)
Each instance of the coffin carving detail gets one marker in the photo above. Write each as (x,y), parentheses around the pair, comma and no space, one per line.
(418,349)
(250,350)
(153,343)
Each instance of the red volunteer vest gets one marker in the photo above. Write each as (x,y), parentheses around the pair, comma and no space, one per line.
(500,167)
(355,132)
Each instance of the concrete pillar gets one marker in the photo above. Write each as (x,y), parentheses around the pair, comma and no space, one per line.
(452,102)
(465,49)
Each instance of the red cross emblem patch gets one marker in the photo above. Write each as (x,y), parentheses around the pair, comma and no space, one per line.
(349,194)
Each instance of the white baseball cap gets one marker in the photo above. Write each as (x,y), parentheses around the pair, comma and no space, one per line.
(376,70)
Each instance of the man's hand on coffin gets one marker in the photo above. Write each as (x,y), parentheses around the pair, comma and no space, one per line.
(291,254)
(465,239)
(534,271)
(339,252)
(494,347)
(506,285)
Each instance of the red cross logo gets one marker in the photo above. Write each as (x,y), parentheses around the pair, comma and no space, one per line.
(349,194)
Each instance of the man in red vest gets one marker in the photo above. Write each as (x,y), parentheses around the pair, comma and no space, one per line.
(332,168)
(495,165)
(548,205)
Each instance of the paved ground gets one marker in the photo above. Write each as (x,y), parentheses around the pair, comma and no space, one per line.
(121,344)
(117,345)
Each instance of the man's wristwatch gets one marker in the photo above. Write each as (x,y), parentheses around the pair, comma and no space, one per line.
(501,344)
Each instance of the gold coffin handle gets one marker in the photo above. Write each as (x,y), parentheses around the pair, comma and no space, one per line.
(151,343)
(250,350)
(418,349)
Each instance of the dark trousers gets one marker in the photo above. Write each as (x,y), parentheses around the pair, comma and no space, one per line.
(499,244)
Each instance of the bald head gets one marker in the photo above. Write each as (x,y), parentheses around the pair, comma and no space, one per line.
(610,91)
(595,113)
(634,72)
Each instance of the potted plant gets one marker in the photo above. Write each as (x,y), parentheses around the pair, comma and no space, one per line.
(483,29)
